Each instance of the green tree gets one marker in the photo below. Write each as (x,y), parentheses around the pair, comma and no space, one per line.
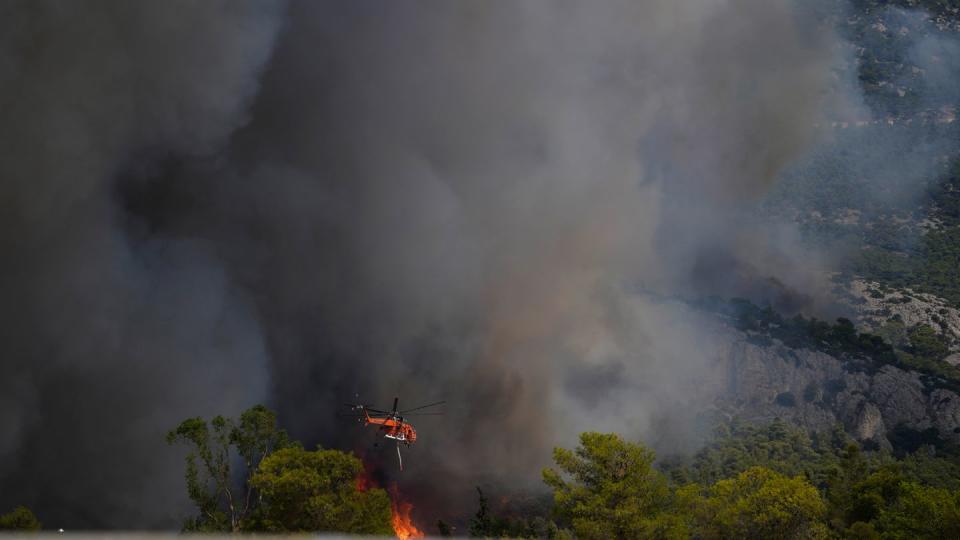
(738,445)
(482,525)
(485,524)
(921,512)
(925,342)
(862,531)
(760,503)
(316,491)
(842,486)
(886,505)
(608,488)
(20,519)
(872,495)
(222,505)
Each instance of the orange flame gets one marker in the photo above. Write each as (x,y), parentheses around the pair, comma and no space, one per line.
(400,510)
(365,480)
(403,526)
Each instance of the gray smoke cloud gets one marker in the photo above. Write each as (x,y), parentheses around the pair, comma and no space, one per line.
(891,146)
(109,336)
(212,204)
(494,180)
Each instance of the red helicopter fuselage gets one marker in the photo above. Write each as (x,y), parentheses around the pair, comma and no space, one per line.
(393,428)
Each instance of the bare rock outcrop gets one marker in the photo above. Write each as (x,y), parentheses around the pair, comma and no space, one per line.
(818,391)
(875,305)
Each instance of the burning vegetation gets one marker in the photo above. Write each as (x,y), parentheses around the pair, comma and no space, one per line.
(285,488)
(403,525)
(400,510)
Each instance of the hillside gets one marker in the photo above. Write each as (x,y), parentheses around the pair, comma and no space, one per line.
(882,199)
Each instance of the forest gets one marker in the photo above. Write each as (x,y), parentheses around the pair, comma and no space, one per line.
(245,475)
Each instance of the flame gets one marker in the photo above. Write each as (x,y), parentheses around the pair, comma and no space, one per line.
(403,526)
(365,479)
(400,510)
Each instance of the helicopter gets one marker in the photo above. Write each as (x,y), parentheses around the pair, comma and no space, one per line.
(391,423)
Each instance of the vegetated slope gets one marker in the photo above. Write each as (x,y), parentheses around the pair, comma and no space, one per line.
(882,198)
(885,191)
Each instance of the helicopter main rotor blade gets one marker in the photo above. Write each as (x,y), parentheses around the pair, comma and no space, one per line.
(425,414)
(371,415)
(364,407)
(423,407)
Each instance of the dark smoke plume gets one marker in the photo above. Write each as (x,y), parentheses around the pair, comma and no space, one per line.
(211,204)
(112,327)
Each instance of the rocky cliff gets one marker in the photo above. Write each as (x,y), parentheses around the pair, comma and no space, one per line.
(879,407)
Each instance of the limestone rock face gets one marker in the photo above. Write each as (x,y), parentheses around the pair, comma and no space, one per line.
(945,408)
(875,307)
(869,425)
(899,394)
(817,391)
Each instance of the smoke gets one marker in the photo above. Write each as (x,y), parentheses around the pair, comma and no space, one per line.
(110,338)
(212,204)
(871,178)
(473,191)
